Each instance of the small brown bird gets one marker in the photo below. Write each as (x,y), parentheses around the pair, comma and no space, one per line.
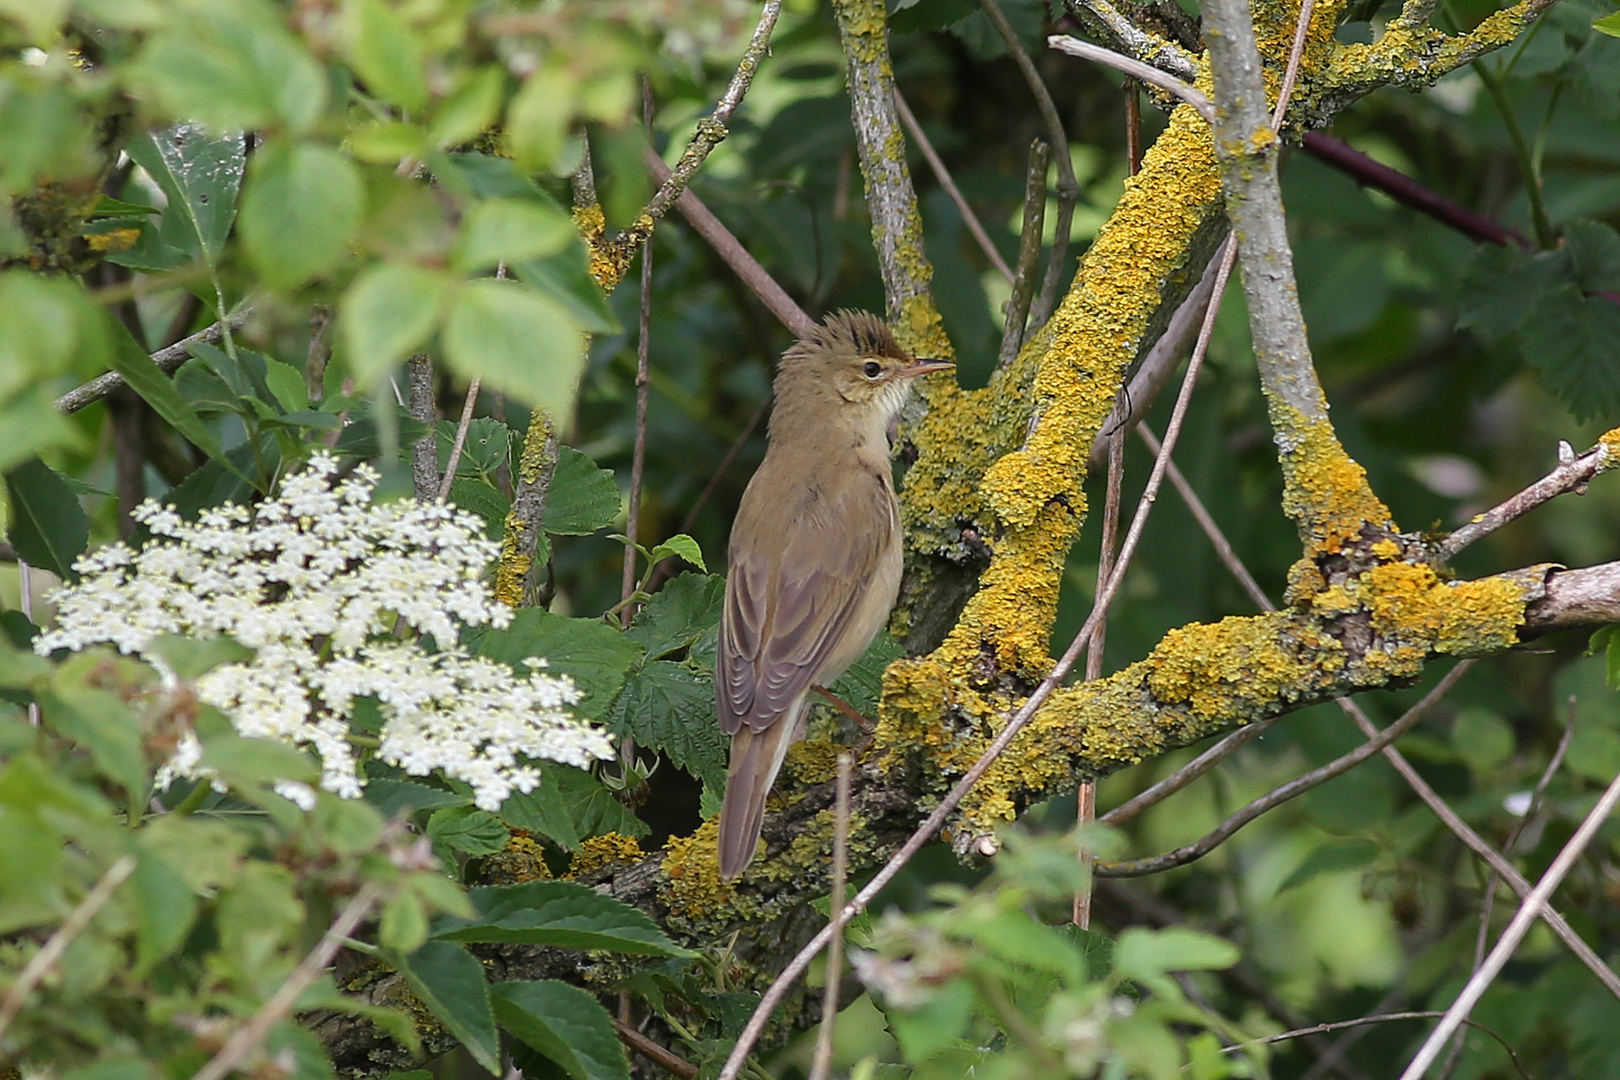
(815,553)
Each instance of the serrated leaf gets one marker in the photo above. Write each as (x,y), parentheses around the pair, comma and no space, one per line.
(451,984)
(591,806)
(201,174)
(861,685)
(488,502)
(1574,342)
(1335,856)
(300,207)
(563,914)
(389,312)
(287,386)
(583,497)
(517,339)
(395,797)
(681,546)
(1594,252)
(469,830)
(670,707)
(678,614)
(596,656)
(49,528)
(485,450)
(565,1024)
(1499,285)
(542,812)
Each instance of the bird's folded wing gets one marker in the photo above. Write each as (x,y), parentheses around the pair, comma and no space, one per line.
(787,612)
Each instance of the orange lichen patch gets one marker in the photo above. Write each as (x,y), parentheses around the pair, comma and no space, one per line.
(1325,490)
(1409,602)
(692,890)
(813,761)
(522,859)
(604,850)
(1215,668)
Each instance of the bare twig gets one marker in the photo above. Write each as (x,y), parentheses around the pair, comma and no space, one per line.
(1029,252)
(1302,26)
(659,1055)
(319,352)
(1120,62)
(459,443)
(732,252)
(821,1066)
(1293,789)
(1068,188)
(638,456)
(167,360)
(74,925)
(1163,54)
(1572,474)
(1363,1021)
(281,1003)
(1528,912)
(943,175)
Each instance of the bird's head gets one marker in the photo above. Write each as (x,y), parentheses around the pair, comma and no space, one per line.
(853,364)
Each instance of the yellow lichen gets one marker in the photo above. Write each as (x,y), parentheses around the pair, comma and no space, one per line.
(1610,441)
(522,859)
(1325,490)
(600,851)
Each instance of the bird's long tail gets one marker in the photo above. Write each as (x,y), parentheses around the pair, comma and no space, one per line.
(756,758)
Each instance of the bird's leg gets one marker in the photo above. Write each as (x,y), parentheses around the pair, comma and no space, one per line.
(846,708)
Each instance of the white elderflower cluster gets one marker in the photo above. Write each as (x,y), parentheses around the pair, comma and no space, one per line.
(318,580)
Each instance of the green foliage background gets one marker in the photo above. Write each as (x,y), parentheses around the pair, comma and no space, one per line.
(368,164)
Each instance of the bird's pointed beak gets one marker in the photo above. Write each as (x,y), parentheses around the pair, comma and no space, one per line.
(923,367)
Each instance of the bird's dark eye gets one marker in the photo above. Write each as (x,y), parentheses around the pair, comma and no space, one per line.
(872,369)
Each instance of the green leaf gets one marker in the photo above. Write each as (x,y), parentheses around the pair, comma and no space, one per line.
(1333,857)
(566,278)
(1594,253)
(154,387)
(593,654)
(1483,739)
(861,685)
(395,797)
(471,108)
(387,56)
(389,312)
(100,722)
(1608,24)
(936,1023)
(678,614)
(30,423)
(403,925)
(300,208)
(583,497)
(451,984)
(680,546)
(506,230)
(165,909)
(565,1024)
(590,805)
(670,707)
(1501,283)
(468,829)
(43,324)
(287,384)
(49,528)
(483,499)
(563,914)
(485,450)
(245,762)
(244,373)
(1594,754)
(201,175)
(1147,956)
(517,339)
(543,812)
(1574,342)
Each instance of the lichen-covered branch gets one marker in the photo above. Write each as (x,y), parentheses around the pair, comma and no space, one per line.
(517,576)
(1139,43)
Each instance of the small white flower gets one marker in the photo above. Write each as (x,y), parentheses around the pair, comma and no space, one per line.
(315,580)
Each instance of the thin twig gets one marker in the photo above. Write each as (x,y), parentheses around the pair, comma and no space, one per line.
(1291,790)
(638,456)
(943,175)
(1086,799)
(167,360)
(459,443)
(1120,62)
(1015,724)
(821,1066)
(734,255)
(1302,26)
(1572,474)
(1163,54)
(1068,187)
(74,925)
(281,1003)
(1533,907)
(1029,252)
(1363,1021)
(659,1055)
